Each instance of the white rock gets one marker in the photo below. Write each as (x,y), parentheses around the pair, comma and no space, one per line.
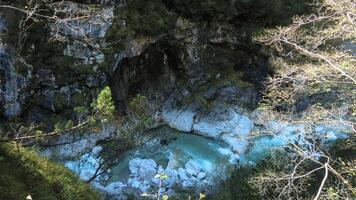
(143,167)
(180,120)
(201,175)
(208,129)
(134,182)
(172,178)
(187,184)
(274,127)
(155,181)
(95,151)
(192,167)
(145,187)
(85,167)
(172,163)
(182,174)
(194,180)
(221,120)
(239,145)
(162,190)
(142,173)
(203,184)
(244,126)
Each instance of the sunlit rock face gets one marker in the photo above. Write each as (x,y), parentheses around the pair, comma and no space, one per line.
(181,120)
(224,123)
(92,28)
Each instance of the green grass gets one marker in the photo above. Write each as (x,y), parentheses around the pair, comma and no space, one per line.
(24,173)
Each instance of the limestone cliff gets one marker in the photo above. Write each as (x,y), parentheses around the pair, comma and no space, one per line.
(183,51)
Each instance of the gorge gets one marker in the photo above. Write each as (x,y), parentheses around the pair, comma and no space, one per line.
(163,98)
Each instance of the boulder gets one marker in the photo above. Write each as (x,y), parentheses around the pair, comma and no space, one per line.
(182,174)
(114,188)
(142,173)
(208,129)
(160,169)
(187,184)
(172,162)
(155,181)
(143,167)
(221,120)
(180,120)
(172,178)
(244,126)
(85,167)
(238,145)
(134,182)
(192,167)
(230,154)
(95,151)
(162,190)
(201,175)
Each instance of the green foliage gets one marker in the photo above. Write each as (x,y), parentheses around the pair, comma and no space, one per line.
(161,176)
(24,173)
(69,124)
(81,110)
(139,106)
(38,134)
(141,17)
(58,127)
(104,105)
(237,186)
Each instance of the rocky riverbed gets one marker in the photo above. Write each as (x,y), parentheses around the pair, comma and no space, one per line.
(198,153)
(186,160)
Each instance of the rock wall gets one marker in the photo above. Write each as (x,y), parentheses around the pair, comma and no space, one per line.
(56,68)
(12,86)
(183,51)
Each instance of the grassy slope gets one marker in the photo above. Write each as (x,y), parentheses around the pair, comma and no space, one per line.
(23,172)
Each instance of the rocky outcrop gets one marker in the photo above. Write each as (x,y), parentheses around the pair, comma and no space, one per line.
(57,67)
(154,50)
(225,123)
(193,50)
(87,33)
(240,129)
(181,120)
